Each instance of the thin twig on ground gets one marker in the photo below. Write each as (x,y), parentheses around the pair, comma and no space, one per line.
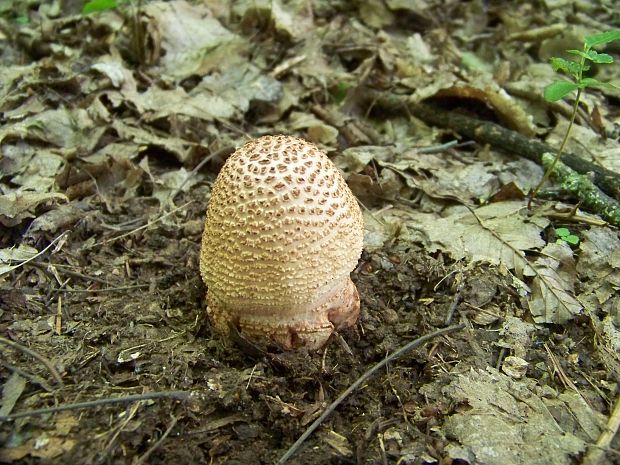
(144,457)
(74,274)
(147,225)
(362,379)
(596,453)
(29,376)
(218,153)
(39,357)
(177,395)
(14,267)
(104,289)
(455,302)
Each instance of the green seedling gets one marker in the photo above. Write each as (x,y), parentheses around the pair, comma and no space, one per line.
(564,235)
(559,89)
(95,6)
(340,93)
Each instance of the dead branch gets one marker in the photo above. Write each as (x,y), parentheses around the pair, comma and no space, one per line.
(580,186)
(493,134)
(144,457)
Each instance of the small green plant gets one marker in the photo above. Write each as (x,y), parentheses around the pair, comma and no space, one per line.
(95,6)
(340,93)
(564,235)
(559,89)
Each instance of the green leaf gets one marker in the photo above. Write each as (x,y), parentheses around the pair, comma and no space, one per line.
(94,6)
(565,235)
(591,82)
(557,90)
(581,53)
(602,38)
(570,67)
(593,55)
(340,93)
(600,57)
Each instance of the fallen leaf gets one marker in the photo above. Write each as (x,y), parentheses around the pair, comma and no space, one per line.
(553,299)
(510,421)
(502,235)
(11,392)
(17,206)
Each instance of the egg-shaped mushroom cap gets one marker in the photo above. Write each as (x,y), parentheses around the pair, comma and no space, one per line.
(283,232)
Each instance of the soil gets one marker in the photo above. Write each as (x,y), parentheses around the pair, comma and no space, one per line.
(117,307)
(146,330)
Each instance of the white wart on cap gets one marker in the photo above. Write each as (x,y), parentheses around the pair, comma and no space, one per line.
(283,233)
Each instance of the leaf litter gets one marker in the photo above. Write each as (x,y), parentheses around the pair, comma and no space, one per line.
(108,150)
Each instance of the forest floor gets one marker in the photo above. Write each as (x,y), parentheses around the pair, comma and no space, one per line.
(114,125)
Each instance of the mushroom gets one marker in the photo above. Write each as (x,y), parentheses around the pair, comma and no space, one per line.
(283,232)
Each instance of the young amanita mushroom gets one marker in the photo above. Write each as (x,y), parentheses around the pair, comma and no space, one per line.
(283,233)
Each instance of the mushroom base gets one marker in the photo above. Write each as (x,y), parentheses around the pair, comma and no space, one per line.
(304,326)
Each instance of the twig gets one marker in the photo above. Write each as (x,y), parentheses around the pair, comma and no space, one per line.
(596,454)
(116,431)
(221,152)
(178,395)
(580,185)
(497,136)
(39,357)
(29,376)
(105,289)
(453,144)
(38,254)
(457,299)
(150,223)
(163,437)
(564,379)
(73,274)
(362,379)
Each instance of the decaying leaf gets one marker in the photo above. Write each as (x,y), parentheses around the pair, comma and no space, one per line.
(513,422)
(11,391)
(16,206)
(289,19)
(240,85)
(552,299)
(63,128)
(500,234)
(496,233)
(599,261)
(194,41)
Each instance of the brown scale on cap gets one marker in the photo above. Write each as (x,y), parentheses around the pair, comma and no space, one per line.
(283,233)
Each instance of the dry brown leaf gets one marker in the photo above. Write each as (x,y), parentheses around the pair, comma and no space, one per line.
(17,206)
(505,233)
(511,421)
(502,236)
(194,41)
(553,299)
(11,392)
